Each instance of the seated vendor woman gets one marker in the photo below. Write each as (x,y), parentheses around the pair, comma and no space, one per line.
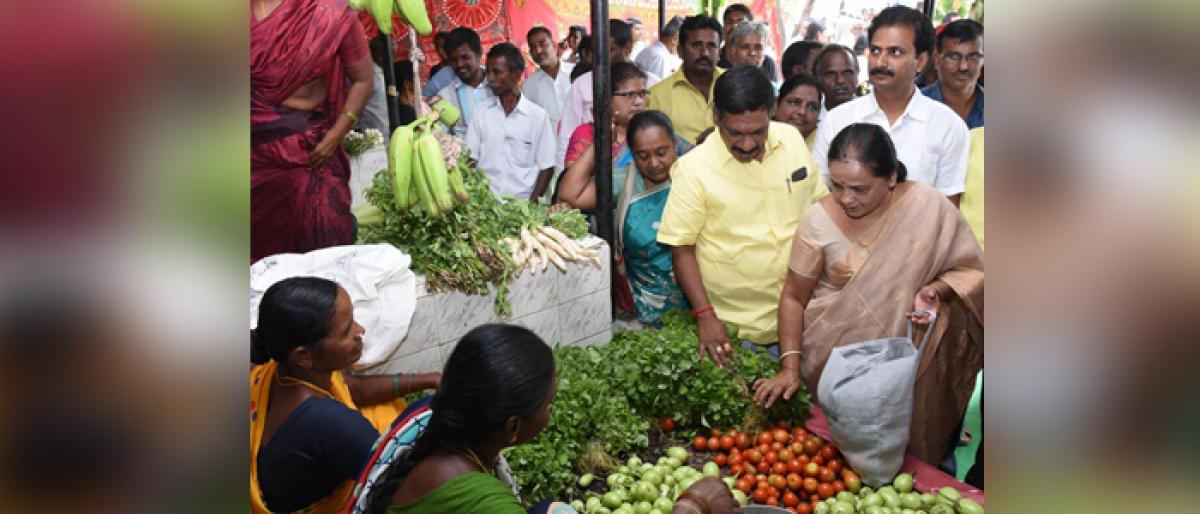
(311,424)
(640,191)
(496,392)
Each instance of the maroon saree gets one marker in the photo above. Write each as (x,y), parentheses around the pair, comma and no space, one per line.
(294,208)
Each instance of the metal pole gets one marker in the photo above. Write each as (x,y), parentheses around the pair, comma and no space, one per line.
(602,116)
(389,80)
(662,15)
(928,9)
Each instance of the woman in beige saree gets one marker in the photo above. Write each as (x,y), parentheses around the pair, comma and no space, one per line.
(865,259)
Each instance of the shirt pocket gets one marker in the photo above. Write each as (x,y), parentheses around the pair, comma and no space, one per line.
(522,152)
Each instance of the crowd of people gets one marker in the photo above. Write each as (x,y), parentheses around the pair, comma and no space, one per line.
(803,207)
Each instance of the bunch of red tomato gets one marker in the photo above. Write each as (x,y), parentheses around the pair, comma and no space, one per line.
(792,468)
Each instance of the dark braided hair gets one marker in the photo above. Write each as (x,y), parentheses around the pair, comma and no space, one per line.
(495,372)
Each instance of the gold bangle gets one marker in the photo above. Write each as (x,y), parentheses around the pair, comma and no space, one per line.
(349,113)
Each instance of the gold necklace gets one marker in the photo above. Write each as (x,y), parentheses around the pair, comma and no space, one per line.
(470,455)
(290,381)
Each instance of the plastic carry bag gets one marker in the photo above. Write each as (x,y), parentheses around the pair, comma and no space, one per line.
(866,391)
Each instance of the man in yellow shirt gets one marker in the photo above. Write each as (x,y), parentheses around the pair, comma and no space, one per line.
(734,206)
(972,199)
(686,95)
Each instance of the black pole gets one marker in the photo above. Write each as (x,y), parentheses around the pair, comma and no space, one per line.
(602,115)
(928,6)
(389,80)
(662,15)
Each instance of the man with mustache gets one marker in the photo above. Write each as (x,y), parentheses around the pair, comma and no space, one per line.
(959,63)
(511,136)
(837,69)
(735,203)
(468,89)
(551,81)
(931,140)
(686,95)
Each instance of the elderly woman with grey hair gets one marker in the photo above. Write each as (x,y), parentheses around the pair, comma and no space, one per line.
(747,41)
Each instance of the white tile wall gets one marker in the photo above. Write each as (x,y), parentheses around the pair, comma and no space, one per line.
(572,308)
(362,171)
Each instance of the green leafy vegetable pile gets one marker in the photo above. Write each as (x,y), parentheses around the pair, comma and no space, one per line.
(462,249)
(609,396)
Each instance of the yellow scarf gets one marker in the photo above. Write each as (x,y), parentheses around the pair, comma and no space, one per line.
(381,416)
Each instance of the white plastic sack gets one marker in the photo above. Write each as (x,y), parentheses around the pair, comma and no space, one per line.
(866,391)
(377,278)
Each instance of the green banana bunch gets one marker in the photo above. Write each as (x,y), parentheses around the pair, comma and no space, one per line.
(357,5)
(400,164)
(425,193)
(413,11)
(418,169)
(381,10)
(457,187)
(433,165)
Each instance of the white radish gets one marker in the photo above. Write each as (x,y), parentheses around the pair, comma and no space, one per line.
(559,238)
(545,253)
(527,237)
(553,232)
(558,262)
(536,259)
(551,245)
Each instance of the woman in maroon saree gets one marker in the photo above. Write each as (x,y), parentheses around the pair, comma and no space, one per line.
(310,76)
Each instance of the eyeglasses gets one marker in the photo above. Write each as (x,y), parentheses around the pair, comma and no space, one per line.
(955,57)
(642,94)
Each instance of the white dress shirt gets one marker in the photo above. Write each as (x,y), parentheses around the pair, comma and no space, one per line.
(511,148)
(930,139)
(637,50)
(465,98)
(578,110)
(550,93)
(656,59)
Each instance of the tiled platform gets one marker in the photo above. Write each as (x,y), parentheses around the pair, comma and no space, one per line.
(572,308)
(362,171)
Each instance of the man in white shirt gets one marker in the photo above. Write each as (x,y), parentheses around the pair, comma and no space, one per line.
(468,89)
(578,109)
(662,57)
(549,84)
(510,136)
(930,139)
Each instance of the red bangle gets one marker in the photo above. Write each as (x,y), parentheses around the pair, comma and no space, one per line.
(697,312)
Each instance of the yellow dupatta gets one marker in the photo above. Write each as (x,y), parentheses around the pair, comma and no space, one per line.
(380,416)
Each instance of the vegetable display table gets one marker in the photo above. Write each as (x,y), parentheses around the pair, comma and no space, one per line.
(362,171)
(572,308)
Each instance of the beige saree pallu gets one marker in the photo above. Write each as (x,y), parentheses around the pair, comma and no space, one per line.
(922,238)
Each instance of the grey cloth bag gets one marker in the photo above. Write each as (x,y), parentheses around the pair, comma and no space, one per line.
(866,391)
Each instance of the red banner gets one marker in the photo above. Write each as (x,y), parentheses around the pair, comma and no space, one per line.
(509,20)
(558,15)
